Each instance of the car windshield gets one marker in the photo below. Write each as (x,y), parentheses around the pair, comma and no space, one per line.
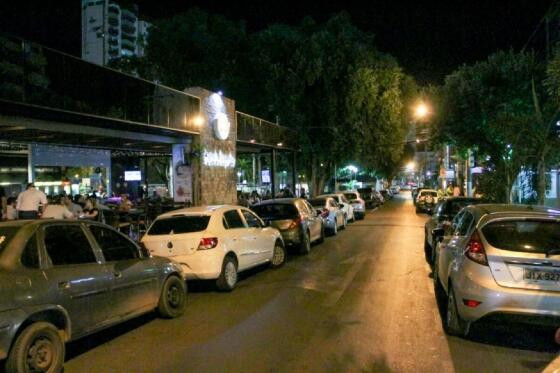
(6,235)
(318,202)
(530,236)
(179,224)
(276,211)
(351,196)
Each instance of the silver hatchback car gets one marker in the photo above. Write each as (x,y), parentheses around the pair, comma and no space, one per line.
(499,262)
(61,280)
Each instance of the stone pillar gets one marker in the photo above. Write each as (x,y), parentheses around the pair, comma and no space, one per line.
(215,149)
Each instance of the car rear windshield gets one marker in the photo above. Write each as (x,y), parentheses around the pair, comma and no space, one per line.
(276,211)
(530,236)
(179,224)
(6,235)
(351,196)
(453,207)
(318,202)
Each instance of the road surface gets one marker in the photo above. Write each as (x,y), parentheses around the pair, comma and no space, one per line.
(363,301)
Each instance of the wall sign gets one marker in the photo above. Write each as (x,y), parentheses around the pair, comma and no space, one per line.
(218,159)
(217,113)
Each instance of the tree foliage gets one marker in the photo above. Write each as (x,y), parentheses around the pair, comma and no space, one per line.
(346,100)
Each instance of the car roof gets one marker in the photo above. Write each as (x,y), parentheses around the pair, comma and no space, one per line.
(428,190)
(286,201)
(201,210)
(490,211)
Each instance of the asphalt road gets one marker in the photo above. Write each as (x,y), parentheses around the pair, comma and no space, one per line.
(362,301)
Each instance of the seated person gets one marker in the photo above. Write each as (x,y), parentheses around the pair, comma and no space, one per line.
(126,204)
(56,210)
(90,209)
(11,211)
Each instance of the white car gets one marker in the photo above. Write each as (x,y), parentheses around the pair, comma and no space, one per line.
(215,242)
(342,200)
(357,203)
(331,212)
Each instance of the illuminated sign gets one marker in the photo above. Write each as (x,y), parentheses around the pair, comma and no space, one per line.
(217,113)
(132,176)
(218,159)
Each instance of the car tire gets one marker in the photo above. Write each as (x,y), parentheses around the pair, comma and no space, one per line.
(279,255)
(344,222)
(454,324)
(39,347)
(428,252)
(305,246)
(334,231)
(322,237)
(173,298)
(228,277)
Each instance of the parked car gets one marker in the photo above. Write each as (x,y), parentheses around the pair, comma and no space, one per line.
(378,198)
(386,194)
(415,192)
(343,201)
(61,280)
(331,212)
(358,204)
(295,218)
(500,262)
(215,242)
(395,189)
(367,195)
(426,200)
(443,214)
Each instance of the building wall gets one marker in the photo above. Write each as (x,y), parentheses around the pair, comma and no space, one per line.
(214,179)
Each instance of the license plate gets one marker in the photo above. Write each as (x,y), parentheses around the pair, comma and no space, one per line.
(541,275)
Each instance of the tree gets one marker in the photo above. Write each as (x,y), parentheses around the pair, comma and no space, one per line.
(493,108)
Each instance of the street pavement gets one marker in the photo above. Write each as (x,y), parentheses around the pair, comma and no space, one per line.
(363,301)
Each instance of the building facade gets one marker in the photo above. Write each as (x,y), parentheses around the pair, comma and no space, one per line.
(111,31)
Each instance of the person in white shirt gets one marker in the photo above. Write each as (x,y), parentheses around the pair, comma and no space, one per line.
(28,202)
(57,211)
(73,207)
(11,212)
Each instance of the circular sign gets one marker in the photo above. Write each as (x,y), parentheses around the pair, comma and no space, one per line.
(221,126)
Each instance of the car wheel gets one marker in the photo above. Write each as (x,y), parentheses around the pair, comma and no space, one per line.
(173,298)
(322,237)
(453,324)
(305,247)
(39,348)
(334,231)
(279,255)
(428,252)
(228,277)
(344,222)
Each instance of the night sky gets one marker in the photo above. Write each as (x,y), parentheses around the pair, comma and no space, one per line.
(429,38)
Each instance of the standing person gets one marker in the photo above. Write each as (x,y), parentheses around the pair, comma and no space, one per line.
(255,198)
(302,193)
(3,201)
(449,190)
(11,212)
(28,202)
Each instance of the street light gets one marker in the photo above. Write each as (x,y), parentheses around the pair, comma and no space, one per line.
(421,111)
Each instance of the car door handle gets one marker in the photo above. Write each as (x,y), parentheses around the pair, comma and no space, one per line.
(117,274)
(64,285)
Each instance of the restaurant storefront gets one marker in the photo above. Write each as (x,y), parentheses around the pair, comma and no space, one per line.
(74,127)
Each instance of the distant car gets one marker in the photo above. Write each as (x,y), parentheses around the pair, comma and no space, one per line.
(415,192)
(395,189)
(215,242)
(378,198)
(426,200)
(61,280)
(341,199)
(295,218)
(443,213)
(358,204)
(331,212)
(367,195)
(500,263)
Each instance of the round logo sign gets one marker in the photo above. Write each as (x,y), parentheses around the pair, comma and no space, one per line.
(221,126)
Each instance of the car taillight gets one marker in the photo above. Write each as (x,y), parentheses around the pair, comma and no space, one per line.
(294,223)
(475,250)
(208,243)
(325,213)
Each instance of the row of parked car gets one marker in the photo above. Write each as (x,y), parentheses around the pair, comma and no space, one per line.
(62,279)
(494,262)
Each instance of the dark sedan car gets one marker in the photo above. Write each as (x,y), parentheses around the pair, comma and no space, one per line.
(298,222)
(444,211)
(61,280)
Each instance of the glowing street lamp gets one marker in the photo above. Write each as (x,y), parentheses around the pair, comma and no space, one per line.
(421,111)
(410,166)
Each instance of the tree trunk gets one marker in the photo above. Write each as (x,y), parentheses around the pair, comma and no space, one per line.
(541,184)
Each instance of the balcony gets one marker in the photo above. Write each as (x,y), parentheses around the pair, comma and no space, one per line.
(128,29)
(113,9)
(113,21)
